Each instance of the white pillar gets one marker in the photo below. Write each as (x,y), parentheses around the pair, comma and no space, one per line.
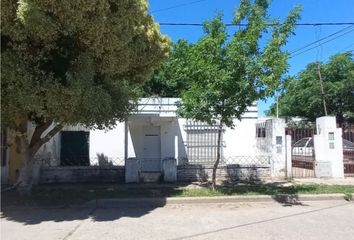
(176,147)
(275,135)
(328,145)
(288,164)
(125,140)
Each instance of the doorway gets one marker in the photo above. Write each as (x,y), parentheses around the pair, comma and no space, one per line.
(151,161)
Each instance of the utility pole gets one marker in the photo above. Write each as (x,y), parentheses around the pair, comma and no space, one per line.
(277,106)
(322,91)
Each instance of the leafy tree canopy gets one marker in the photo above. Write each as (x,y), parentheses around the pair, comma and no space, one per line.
(75,61)
(229,73)
(172,77)
(302,94)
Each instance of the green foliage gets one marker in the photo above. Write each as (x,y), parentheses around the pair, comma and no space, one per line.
(229,73)
(75,61)
(171,78)
(302,94)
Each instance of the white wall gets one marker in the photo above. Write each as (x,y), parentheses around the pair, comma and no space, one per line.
(110,143)
(240,141)
(171,129)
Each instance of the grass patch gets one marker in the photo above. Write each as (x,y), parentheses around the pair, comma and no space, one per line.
(64,195)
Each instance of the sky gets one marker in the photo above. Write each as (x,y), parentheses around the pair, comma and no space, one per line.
(313,11)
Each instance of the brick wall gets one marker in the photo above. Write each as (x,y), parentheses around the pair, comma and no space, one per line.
(234,172)
(112,174)
(116,174)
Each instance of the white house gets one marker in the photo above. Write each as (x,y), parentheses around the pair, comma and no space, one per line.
(151,134)
(155,132)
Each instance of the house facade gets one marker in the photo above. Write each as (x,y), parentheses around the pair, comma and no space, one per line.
(155,132)
(152,133)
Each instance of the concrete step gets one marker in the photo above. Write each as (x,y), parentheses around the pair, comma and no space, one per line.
(150,177)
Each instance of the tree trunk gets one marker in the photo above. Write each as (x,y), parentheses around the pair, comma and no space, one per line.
(24,181)
(28,148)
(218,155)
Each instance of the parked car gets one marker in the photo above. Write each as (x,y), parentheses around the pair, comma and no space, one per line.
(304,148)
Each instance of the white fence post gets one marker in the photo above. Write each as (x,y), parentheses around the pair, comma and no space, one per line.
(288,163)
(276,134)
(328,144)
(273,143)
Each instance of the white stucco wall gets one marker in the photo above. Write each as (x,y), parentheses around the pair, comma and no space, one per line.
(239,141)
(110,143)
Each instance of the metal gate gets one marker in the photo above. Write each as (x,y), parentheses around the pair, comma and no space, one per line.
(302,152)
(348,149)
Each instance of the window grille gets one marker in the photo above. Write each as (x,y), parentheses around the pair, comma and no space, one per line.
(260,130)
(202,142)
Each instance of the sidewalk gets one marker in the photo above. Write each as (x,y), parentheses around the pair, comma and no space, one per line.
(326,181)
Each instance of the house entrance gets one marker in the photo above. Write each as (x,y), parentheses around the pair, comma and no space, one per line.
(151,161)
(302,152)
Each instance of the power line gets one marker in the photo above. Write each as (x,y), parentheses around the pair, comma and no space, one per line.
(269,24)
(319,40)
(321,44)
(176,6)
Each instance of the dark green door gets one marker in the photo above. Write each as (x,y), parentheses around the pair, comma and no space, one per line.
(74,148)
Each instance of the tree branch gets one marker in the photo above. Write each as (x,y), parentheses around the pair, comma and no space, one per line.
(39,131)
(36,146)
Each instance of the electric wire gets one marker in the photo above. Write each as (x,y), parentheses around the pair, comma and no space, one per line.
(269,24)
(319,40)
(177,6)
(320,44)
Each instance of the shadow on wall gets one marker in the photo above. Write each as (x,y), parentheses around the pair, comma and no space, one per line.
(230,173)
(103,160)
(193,173)
(236,173)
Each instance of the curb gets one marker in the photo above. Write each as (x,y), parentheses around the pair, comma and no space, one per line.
(160,202)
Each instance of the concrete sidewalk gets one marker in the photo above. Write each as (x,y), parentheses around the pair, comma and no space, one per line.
(326,181)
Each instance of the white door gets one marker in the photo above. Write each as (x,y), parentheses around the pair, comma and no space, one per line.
(151,161)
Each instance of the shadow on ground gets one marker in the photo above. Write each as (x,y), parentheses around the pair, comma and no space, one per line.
(69,202)
(32,216)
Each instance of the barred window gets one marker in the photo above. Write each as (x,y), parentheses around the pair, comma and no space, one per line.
(202,142)
(260,130)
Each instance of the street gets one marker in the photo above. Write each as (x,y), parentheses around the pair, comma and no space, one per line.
(311,220)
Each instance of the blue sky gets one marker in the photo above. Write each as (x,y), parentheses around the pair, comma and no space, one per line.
(312,11)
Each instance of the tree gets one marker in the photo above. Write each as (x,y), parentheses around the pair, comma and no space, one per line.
(302,94)
(72,62)
(171,78)
(229,74)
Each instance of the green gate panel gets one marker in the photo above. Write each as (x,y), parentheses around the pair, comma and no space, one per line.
(74,148)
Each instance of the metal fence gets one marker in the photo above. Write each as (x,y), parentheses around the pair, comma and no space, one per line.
(348,149)
(302,151)
(251,160)
(98,161)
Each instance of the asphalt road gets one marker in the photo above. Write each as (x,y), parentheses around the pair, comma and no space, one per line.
(332,220)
